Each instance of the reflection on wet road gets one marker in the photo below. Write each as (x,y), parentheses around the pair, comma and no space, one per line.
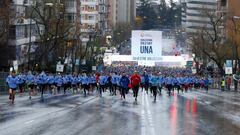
(181,114)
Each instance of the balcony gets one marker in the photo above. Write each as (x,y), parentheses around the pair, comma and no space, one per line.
(21,41)
(91,12)
(71,9)
(89,21)
(89,3)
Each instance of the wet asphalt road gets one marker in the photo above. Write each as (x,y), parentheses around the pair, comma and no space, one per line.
(192,113)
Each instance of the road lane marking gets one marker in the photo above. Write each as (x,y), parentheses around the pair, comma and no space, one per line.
(28,122)
(143,120)
(150,117)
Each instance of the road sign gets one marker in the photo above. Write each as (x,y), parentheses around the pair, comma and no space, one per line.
(189,64)
(60,68)
(228,70)
(77,62)
(94,68)
(229,63)
(194,70)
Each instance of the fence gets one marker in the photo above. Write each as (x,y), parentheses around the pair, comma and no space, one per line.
(3,85)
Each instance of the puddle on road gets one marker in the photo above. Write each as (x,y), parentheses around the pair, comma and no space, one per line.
(188,116)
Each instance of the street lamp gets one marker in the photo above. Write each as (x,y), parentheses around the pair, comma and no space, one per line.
(236,17)
(235,30)
(108,40)
(49,4)
(235,50)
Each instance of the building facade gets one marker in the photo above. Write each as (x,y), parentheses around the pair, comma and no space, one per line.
(93,15)
(122,12)
(229,10)
(22,32)
(193,18)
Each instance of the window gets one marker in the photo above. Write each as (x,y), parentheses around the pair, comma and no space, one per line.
(91,17)
(91,8)
(70,18)
(224,3)
(70,3)
(20,31)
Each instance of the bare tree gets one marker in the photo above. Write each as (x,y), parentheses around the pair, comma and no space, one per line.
(5,50)
(4,19)
(52,29)
(209,41)
(121,33)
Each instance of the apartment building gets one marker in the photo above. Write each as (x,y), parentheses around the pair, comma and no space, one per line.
(22,32)
(93,16)
(192,14)
(122,11)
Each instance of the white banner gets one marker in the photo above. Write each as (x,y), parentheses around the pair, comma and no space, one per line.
(147,45)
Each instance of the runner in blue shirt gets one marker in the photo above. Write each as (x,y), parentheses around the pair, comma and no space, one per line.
(85,84)
(30,83)
(65,83)
(51,83)
(169,84)
(187,82)
(12,84)
(74,81)
(59,82)
(146,81)
(93,82)
(102,83)
(206,83)
(124,82)
(20,82)
(154,84)
(160,83)
(142,82)
(114,82)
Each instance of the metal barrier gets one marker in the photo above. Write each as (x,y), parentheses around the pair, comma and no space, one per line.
(3,85)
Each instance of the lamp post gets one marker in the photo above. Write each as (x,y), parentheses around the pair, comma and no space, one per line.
(235,51)
(30,39)
(109,40)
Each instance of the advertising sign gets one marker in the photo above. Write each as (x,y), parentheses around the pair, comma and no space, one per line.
(228,67)
(228,63)
(147,45)
(228,70)
(94,68)
(60,68)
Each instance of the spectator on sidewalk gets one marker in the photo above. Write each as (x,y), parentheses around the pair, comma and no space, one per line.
(223,84)
(229,82)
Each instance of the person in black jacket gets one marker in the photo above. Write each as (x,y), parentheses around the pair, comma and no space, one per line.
(110,85)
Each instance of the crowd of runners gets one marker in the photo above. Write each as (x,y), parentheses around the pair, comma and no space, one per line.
(112,79)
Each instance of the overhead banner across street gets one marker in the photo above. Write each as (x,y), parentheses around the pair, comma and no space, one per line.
(147,45)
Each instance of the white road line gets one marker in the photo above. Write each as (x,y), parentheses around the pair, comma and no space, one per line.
(143,120)
(150,117)
(28,122)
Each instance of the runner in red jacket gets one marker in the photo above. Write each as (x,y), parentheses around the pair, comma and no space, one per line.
(135,81)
